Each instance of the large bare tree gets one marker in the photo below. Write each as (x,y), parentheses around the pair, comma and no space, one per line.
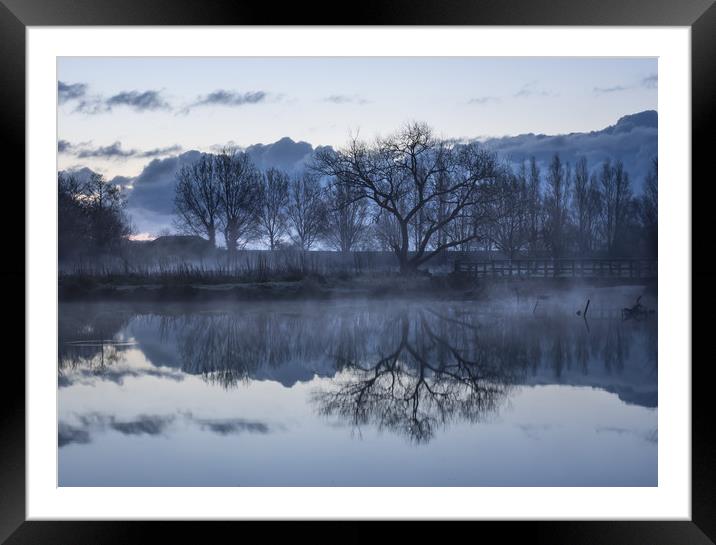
(272,213)
(197,199)
(410,177)
(239,194)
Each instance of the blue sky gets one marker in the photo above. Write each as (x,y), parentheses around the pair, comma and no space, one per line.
(116,114)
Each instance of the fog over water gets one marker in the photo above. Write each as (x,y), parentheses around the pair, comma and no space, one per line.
(518,392)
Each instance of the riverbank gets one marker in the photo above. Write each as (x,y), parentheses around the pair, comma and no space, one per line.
(310,286)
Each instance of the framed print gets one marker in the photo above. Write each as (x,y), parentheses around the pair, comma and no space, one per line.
(399,267)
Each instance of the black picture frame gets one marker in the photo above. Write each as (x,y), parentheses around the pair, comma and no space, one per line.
(16,15)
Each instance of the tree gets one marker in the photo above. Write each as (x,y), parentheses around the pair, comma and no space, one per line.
(105,209)
(649,209)
(347,216)
(71,218)
(272,214)
(586,204)
(510,214)
(557,206)
(534,207)
(239,196)
(197,199)
(306,210)
(414,177)
(617,204)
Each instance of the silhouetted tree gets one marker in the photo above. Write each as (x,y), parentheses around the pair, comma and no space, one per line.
(306,210)
(197,199)
(649,210)
(347,216)
(272,213)
(239,194)
(586,206)
(557,206)
(414,177)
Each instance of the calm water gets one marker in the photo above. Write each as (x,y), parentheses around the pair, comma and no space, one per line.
(384,393)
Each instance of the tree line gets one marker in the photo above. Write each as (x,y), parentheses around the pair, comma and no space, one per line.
(418,195)
(410,193)
(91,216)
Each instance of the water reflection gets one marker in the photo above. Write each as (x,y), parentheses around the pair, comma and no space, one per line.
(409,369)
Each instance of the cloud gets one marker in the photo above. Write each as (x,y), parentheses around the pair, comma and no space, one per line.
(67,435)
(232,426)
(139,101)
(222,97)
(483,100)
(70,91)
(142,425)
(633,140)
(606,90)
(113,151)
(63,146)
(345,99)
(530,89)
(650,82)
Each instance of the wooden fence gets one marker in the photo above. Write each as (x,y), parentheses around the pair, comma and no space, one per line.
(646,269)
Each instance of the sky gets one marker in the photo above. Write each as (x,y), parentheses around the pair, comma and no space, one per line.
(117,114)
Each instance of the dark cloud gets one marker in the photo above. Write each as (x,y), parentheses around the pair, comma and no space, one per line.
(154,187)
(113,151)
(613,89)
(142,425)
(138,100)
(63,146)
(650,82)
(222,97)
(345,99)
(67,435)
(633,140)
(285,154)
(229,426)
(483,100)
(70,91)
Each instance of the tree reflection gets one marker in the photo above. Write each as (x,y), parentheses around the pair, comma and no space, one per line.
(425,381)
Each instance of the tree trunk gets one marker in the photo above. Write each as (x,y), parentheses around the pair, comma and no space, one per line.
(231,238)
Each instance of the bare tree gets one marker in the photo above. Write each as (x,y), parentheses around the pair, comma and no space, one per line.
(239,193)
(347,216)
(105,209)
(197,199)
(534,207)
(306,210)
(510,218)
(649,209)
(616,199)
(586,204)
(557,206)
(413,175)
(272,213)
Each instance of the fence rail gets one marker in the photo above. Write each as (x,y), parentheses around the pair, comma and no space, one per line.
(559,268)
